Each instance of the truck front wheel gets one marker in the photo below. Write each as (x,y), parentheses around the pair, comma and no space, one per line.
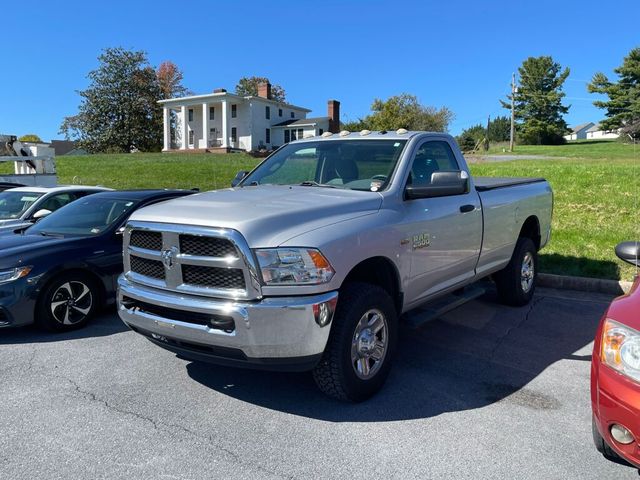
(357,359)
(517,281)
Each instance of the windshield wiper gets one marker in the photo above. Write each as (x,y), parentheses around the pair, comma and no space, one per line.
(311,183)
(50,234)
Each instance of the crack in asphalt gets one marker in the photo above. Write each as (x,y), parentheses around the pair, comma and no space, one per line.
(206,439)
(514,326)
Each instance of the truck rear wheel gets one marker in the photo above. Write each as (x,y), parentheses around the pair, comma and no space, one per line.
(357,359)
(516,282)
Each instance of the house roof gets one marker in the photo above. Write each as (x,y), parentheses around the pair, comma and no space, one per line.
(62,147)
(198,99)
(581,127)
(595,128)
(301,122)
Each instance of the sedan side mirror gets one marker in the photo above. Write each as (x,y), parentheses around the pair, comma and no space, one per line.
(629,252)
(41,214)
(443,183)
(238,178)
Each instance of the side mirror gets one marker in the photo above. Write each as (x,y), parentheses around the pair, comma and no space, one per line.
(238,178)
(443,183)
(41,214)
(629,252)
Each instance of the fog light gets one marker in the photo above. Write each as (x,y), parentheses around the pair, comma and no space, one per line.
(323,312)
(621,435)
(161,338)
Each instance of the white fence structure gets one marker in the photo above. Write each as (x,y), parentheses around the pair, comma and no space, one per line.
(38,169)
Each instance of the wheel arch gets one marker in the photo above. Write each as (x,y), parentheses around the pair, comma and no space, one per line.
(531,229)
(380,271)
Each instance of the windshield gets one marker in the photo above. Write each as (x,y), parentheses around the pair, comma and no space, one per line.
(88,216)
(14,204)
(351,164)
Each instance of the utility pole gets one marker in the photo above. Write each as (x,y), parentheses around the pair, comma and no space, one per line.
(513,110)
(486,143)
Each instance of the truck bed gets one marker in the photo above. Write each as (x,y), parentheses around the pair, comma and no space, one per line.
(484,184)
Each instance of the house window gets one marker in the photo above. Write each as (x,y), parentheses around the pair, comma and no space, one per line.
(267,134)
(293,115)
(234,111)
(300,133)
(234,134)
(212,113)
(191,114)
(190,137)
(267,112)
(279,112)
(293,135)
(287,137)
(320,132)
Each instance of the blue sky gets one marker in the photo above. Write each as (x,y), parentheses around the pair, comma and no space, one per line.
(455,53)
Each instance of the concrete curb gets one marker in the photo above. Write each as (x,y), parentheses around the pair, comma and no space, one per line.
(583,284)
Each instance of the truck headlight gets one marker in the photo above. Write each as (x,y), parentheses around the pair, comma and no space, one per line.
(293,266)
(621,348)
(12,274)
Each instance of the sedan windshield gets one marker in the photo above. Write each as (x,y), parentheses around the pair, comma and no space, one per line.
(88,216)
(351,164)
(14,204)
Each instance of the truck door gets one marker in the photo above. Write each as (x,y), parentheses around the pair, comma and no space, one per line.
(444,233)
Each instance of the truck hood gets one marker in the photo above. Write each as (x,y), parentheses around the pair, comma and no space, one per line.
(267,215)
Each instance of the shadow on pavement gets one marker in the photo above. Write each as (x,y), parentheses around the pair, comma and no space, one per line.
(107,323)
(477,355)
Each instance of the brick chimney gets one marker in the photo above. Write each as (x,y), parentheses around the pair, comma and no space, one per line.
(264,90)
(220,90)
(333,112)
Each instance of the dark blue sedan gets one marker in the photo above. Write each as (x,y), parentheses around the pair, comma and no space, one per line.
(62,270)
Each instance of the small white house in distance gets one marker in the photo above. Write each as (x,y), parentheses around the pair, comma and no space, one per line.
(223,121)
(596,132)
(579,132)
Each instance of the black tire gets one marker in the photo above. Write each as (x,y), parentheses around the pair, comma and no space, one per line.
(510,280)
(602,446)
(82,297)
(336,373)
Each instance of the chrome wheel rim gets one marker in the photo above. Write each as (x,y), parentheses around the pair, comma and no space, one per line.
(71,303)
(369,344)
(527,272)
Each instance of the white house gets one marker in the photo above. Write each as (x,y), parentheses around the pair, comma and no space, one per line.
(596,132)
(222,121)
(579,132)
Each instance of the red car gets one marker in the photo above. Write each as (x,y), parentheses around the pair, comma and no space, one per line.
(615,372)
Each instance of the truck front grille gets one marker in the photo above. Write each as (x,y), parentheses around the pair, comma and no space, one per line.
(147,268)
(213,276)
(147,240)
(206,246)
(205,261)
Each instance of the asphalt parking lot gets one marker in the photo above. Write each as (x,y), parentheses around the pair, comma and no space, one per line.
(485,392)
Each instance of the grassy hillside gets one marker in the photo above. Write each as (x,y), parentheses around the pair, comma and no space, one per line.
(596,185)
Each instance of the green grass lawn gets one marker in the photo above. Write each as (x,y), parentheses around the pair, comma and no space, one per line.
(596,185)
(597,199)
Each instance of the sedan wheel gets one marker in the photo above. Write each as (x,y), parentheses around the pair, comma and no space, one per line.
(71,302)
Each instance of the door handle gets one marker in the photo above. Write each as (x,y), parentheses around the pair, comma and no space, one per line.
(467,208)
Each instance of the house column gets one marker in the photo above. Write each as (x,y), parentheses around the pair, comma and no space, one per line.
(185,128)
(167,129)
(205,124)
(225,125)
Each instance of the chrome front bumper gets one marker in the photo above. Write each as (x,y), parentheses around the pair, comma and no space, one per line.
(276,330)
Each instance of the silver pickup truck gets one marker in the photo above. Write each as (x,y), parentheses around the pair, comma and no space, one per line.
(311,261)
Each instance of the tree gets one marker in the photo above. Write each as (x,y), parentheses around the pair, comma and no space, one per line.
(623,106)
(471,137)
(405,111)
(538,102)
(500,129)
(119,109)
(30,137)
(170,81)
(249,86)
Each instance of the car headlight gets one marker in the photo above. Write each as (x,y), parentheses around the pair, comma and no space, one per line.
(10,275)
(293,266)
(621,348)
